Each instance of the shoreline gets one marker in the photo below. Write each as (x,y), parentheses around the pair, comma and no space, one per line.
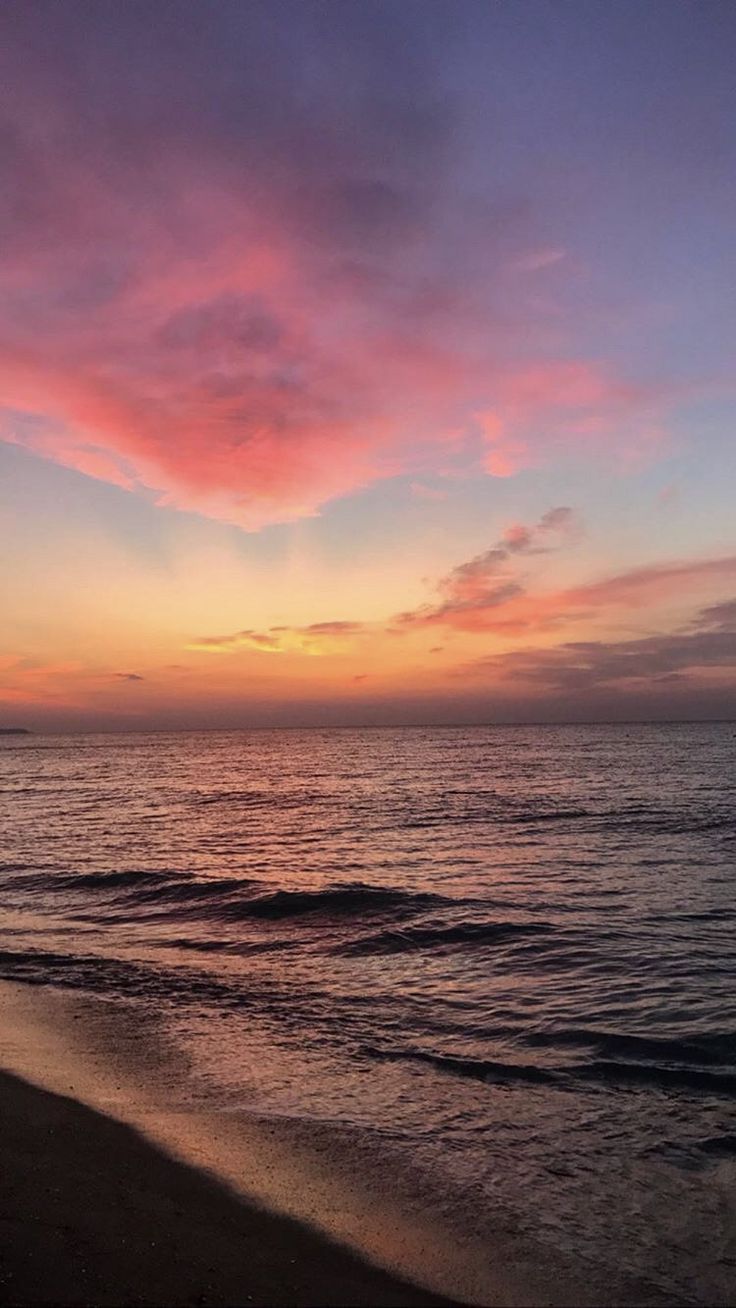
(85,1080)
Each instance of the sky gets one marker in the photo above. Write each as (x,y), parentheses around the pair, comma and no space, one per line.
(366,361)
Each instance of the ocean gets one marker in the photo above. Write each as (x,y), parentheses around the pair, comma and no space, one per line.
(503,955)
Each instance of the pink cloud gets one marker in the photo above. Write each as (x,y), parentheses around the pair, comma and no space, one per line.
(486,595)
(547,408)
(653,583)
(248,304)
(481,591)
(256,394)
(423,492)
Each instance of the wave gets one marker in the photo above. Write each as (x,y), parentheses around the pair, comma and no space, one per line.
(230,898)
(714,1048)
(666,1078)
(341,898)
(237,948)
(39,878)
(114,880)
(495,813)
(257,799)
(476,1069)
(433,934)
(722,1145)
(133,890)
(612,1073)
(549,815)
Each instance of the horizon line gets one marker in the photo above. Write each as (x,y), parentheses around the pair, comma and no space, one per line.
(369,726)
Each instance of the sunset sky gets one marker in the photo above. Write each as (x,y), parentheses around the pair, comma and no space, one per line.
(367,362)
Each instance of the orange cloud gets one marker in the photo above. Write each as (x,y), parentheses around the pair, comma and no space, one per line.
(482,594)
(26,682)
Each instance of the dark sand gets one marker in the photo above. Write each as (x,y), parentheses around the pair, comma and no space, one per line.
(91,1213)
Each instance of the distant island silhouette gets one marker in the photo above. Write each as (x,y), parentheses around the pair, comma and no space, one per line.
(15,731)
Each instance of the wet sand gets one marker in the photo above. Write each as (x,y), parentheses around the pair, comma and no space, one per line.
(91,1213)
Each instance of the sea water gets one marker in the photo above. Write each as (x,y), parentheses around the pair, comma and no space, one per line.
(508,953)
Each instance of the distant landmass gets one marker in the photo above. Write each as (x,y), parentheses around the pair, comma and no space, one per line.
(14,731)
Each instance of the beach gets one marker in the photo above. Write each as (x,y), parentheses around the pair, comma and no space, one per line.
(114,1194)
(91,1213)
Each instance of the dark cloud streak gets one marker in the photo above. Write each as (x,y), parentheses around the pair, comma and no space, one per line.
(708,643)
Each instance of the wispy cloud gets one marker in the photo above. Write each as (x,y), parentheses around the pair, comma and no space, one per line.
(650,584)
(315,639)
(536,260)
